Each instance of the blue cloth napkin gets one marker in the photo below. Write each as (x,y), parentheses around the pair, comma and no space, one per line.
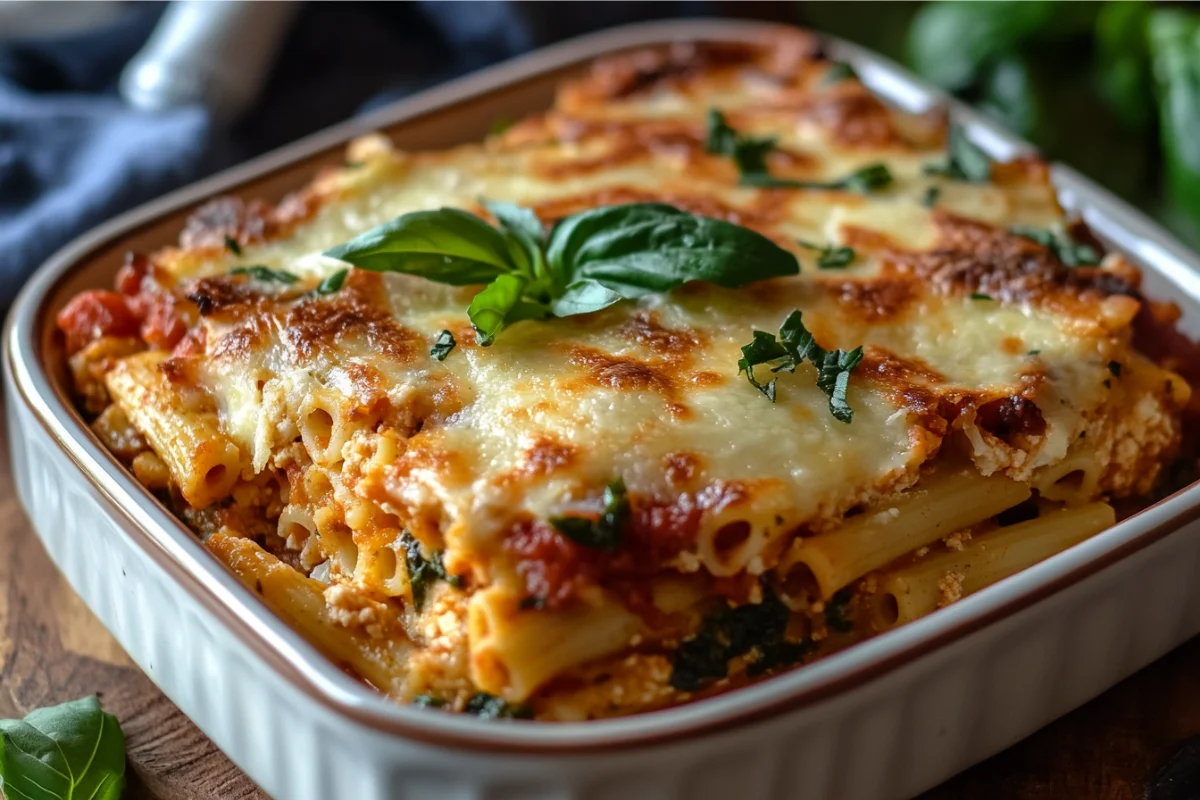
(72,154)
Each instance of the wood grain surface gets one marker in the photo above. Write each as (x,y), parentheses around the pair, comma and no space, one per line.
(53,649)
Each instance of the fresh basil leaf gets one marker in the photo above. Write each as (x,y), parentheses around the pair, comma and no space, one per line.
(524,228)
(446,245)
(966,160)
(1059,242)
(443,345)
(492,307)
(265,274)
(865,180)
(232,245)
(1174,36)
(833,378)
(950,42)
(930,197)
(73,750)
(837,72)
(333,282)
(1123,61)
(641,248)
(763,349)
(584,297)
(604,533)
(830,257)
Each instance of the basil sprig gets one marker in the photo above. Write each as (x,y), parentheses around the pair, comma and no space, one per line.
(589,261)
(750,156)
(603,533)
(1060,242)
(794,346)
(73,750)
(965,160)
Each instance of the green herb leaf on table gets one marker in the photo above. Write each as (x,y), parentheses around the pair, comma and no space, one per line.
(794,346)
(1059,242)
(442,345)
(73,750)
(966,161)
(265,274)
(604,533)
(333,282)
(589,261)
(830,257)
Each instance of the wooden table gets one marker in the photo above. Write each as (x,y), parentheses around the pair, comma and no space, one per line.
(53,649)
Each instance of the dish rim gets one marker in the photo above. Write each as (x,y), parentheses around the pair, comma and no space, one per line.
(163,538)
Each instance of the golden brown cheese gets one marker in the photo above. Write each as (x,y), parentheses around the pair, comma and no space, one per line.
(969,332)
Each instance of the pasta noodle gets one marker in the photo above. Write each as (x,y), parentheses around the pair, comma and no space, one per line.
(918,589)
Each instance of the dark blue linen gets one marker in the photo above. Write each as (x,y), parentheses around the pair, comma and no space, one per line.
(72,154)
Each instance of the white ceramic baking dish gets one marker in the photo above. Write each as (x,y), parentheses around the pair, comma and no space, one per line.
(886,719)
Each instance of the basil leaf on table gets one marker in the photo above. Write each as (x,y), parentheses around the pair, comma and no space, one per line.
(589,261)
(73,750)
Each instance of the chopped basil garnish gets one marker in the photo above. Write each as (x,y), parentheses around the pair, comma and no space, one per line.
(428,701)
(966,160)
(750,156)
(333,283)
(1034,352)
(604,533)
(830,257)
(837,72)
(870,178)
(486,706)
(748,153)
(981,296)
(1115,368)
(588,262)
(443,345)
(266,274)
(1059,242)
(231,244)
(755,631)
(930,197)
(836,618)
(794,346)
(422,572)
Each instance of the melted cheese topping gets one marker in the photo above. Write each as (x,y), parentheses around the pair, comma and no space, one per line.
(969,332)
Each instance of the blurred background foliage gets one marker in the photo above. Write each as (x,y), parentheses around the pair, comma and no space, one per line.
(1111,88)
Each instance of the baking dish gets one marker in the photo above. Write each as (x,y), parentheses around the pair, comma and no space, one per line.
(885,719)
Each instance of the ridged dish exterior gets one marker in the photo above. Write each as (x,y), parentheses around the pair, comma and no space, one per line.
(890,736)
